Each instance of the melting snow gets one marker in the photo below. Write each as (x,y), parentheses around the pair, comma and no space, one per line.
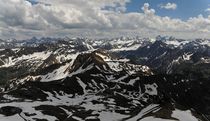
(148,109)
(81,70)
(150,118)
(187,56)
(57,74)
(151,89)
(183,115)
(11,118)
(111,116)
(132,81)
(83,85)
(178,114)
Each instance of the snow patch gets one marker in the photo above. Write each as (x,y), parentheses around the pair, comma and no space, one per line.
(151,89)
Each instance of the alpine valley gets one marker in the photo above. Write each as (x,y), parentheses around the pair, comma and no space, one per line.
(120,79)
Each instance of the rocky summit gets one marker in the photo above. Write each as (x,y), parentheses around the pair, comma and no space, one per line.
(120,79)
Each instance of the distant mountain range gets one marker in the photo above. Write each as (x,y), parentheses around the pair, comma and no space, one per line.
(120,79)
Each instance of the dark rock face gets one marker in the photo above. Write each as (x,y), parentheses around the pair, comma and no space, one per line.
(1,63)
(51,60)
(9,111)
(83,60)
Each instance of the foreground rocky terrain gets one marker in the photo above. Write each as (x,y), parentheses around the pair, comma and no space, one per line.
(126,79)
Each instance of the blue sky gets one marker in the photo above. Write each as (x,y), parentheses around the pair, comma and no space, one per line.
(185,8)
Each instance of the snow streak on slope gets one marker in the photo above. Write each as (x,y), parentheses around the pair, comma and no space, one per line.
(36,56)
(57,74)
(177,114)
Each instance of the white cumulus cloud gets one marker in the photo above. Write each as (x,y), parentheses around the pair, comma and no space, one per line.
(92,18)
(207,10)
(168,6)
(146,9)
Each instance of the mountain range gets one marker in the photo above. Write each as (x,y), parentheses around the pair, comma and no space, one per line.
(120,79)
